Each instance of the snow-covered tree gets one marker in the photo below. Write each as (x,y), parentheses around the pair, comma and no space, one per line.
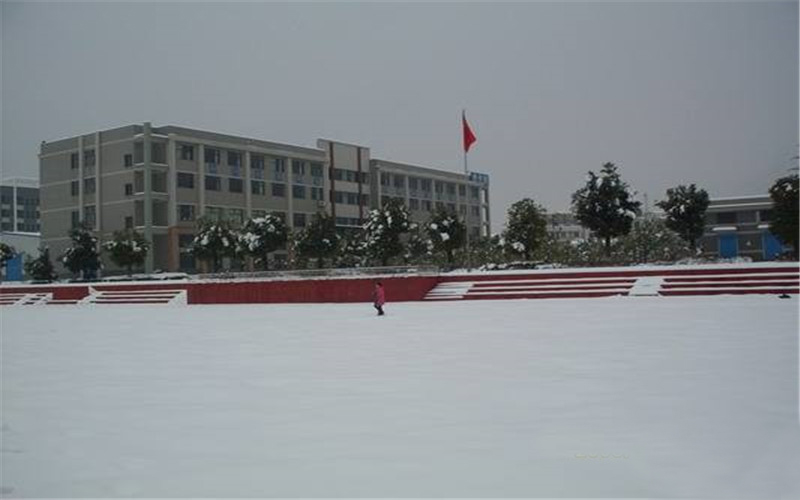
(82,258)
(651,240)
(605,205)
(261,236)
(487,250)
(7,253)
(527,228)
(419,248)
(384,230)
(214,241)
(447,233)
(40,268)
(318,240)
(352,249)
(127,249)
(784,225)
(685,207)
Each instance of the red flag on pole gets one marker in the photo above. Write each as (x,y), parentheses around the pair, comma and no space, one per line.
(469,137)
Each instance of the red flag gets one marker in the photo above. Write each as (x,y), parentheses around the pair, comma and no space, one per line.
(469,137)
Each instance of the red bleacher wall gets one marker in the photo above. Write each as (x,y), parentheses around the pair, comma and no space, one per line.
(330,290)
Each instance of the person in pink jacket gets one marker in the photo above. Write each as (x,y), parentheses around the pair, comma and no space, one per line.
(378,297)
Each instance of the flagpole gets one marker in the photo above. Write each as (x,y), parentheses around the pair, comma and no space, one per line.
(466,216)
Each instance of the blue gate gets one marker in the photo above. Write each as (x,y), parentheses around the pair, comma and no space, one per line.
(728,246)
(14,268)
(772,246)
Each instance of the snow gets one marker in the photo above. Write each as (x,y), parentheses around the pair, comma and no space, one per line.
(444,236)
(620,397)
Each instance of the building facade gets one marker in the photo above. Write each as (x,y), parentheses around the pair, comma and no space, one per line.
(160,180)
(739,227)
(565,227)
(19,205)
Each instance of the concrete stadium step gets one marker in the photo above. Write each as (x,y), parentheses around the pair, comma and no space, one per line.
(627,282)
(156,296)
(25,299)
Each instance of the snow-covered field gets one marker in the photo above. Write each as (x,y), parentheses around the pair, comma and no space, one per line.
(620,397)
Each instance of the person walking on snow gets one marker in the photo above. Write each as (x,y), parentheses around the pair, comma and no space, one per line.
(378,297)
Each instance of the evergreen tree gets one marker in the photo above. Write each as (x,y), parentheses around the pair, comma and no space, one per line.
(527,228)
(651,240)
(605,206)
(40,268)
(447,233)
(419,247)
(319,239)
(261,236)
(487,250)
(214,241)
(7,253)
(353,252)
(82,258)
(127,249)
(384,230)
(784,225)
(685,207)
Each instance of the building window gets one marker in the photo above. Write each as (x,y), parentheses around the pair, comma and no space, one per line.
(185,180)
(279,168)
(299,220)
(88,158)
(128,189)
(298,168)
(215,214)
(235,185)
(462,190)
(185,213)
(73,161)
(258,214)
(127,160)
(726,218)
(74,188)
(278,190)
(158,153)
(352,198)
(451,188)
(212,156)
(89,186)
(128,222)
(765,215)
(187,152)
(385,179)
(316,193)
(236,215)
(258,187)
(413,183)
(89,216)
(299,192)
(213,183)
(475,210)
(257,167)
(316,170)
(425,184)
(426,205)
(474,192)
(235,158)
(413,204)
(399,181)
(76,218)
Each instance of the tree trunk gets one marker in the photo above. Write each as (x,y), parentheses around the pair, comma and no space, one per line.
(607,245)
(320,263)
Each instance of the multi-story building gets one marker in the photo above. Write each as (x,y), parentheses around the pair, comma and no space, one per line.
(160,180)
(424,190)
(19,205)
(739,227)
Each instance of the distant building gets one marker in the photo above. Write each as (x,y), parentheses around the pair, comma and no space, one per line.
(19,222)
(19,205)
(160,180)
(565,227)
(739,227)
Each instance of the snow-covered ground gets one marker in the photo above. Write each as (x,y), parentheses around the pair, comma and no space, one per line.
(620,397)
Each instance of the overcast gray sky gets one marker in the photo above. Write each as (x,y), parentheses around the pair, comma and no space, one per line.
(672,92)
